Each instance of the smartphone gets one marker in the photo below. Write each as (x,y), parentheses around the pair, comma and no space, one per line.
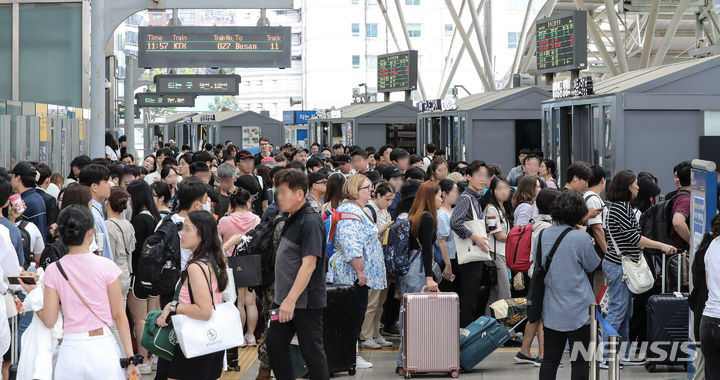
(274,314)
(30,280)
(452,278)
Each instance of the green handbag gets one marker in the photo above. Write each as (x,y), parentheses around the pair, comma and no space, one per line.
(158,340)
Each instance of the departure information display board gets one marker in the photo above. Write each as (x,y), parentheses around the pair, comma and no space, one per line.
(153,99)
(198,84)
(562,43)
(397,71)
(214,46)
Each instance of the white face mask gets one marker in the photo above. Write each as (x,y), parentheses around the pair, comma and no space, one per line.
(206,206)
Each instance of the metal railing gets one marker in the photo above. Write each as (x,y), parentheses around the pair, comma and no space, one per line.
(613,347)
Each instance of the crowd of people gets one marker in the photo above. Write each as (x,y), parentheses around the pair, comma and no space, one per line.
(81,239)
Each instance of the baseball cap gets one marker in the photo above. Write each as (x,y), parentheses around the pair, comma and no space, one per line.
(316,177)
(288,145)
(244,155)
(171,142)
(342,159)
(25,169)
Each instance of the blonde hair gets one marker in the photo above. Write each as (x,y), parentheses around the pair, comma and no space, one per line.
(352,186)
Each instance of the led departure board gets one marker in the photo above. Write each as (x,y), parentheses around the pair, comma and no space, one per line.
(153,99)
(397,71)
(214,46)
(198,84)
(562,43)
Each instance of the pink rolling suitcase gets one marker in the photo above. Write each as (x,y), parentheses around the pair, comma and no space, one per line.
(431,339)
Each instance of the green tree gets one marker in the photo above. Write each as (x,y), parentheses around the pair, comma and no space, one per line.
(225,103)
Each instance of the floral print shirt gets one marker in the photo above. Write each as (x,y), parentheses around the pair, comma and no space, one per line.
(355,239)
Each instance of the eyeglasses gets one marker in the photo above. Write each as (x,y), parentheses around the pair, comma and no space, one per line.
(324,182)
(366,187)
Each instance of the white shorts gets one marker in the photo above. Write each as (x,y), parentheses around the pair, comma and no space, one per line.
(83,357)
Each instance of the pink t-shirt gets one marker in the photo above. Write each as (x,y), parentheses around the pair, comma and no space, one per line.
(236,223)
(91,275)
(184,296)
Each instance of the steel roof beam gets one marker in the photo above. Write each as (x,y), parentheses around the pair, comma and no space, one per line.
(466,43)
(670,33)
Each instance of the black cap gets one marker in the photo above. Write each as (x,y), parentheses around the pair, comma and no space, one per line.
(342,159)
(392,172)
(316,177)
(25,169)
(244,155)
(288,145)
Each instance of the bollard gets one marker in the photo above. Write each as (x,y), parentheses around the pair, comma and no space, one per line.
(594,368)
(613,357)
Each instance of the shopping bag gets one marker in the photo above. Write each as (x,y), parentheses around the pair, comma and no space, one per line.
(222,331)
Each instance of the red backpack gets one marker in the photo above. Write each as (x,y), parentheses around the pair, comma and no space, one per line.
(517,248)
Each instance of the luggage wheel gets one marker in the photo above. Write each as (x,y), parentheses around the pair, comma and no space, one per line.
(352,371)
(455,374)
(234,368)
(651,367)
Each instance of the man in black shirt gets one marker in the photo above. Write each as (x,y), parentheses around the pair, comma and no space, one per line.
(245,162)
(299,281)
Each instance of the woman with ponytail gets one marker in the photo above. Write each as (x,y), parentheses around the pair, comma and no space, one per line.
(206,266)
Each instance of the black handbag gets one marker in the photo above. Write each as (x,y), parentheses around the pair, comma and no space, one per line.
(246,269)
(537,288)
(489,271)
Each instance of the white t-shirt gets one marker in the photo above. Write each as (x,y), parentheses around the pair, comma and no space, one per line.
(594,201)
(53,190)
(497,246)
(112,153)
(185,254)
(427,160)
(37,245)
(9,264)
(712,268)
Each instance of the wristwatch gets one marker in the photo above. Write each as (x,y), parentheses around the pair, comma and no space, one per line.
(173,307)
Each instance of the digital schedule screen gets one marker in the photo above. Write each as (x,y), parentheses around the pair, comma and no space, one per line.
(214,46)
(562,43)
(152,99)
(397,71)
(198,84)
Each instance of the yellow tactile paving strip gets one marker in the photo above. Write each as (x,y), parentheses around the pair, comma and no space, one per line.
(246,357)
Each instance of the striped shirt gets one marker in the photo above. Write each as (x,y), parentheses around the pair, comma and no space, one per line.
(625,230)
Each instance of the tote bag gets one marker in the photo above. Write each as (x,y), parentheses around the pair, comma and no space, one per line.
(246,269)
(222,331)
(467,251)
(637,276)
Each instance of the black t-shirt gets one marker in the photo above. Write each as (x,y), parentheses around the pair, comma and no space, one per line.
(223,205)
(427,236)
(303,235)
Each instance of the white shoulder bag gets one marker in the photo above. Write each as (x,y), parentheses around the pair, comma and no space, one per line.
(637,276)
(222,331)
(467,251)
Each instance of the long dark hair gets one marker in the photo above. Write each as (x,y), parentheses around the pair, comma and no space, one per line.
(110,141)
(506,208)
(210,247)
(142,199)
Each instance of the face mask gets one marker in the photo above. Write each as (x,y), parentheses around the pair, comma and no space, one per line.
(206,206)
(112,184)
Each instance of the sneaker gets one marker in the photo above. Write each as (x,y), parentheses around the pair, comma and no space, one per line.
(153,362)
(391,331)
(632,362)
(371,344)
(522,359)
(361,363)
(383,342)
(250,340)
(145,369)
(538,362)
(604,365)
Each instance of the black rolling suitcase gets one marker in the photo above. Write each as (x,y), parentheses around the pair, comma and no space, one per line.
(668,318)
(339,329)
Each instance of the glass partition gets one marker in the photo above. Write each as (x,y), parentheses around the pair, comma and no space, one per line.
(6,38)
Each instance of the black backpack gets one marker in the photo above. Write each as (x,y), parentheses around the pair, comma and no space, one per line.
(263,241)
(158,268)
(656,222)
(53,252)
(27,254)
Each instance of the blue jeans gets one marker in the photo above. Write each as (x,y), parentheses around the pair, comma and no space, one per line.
(621,302)
(412,282)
